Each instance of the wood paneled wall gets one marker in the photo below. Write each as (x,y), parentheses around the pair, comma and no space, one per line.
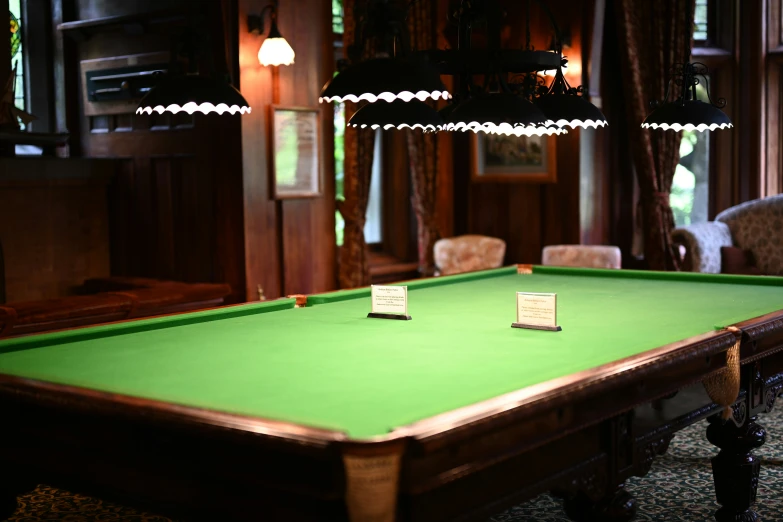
(192,200)
(290,243)
(176,202)
(53,225)
(527,216)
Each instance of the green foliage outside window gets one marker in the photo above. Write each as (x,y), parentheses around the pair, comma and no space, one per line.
(339,165)
(337,16)
(689,196)
(681,197)
(16,35)
(339,131)
(17,53)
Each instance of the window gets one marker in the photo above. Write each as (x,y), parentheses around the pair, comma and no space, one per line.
(772,178)
(372,227)
(701,21)
(690,189)
(337,16)
(689,197)
(32,58)
(339,167)
(339,125)
(17,54)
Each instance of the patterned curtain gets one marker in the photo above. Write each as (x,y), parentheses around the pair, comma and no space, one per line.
(354,270)
(423,148)
(653,36)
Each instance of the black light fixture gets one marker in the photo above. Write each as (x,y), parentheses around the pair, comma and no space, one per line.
(566,106)
(687,112)
(191,93)
(177,91)
(570,110)
(392,73)
(398,114)
(562,104)
(385,79)
(496,107)
(275,50)
(498,113)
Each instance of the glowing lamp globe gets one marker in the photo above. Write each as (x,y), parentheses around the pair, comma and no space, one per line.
(275,50)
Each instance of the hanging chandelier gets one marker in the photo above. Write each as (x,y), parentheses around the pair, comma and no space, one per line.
(388,75)
(566,106)
(687,112)
(394,76)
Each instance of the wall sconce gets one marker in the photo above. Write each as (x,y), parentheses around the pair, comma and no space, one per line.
(275,50)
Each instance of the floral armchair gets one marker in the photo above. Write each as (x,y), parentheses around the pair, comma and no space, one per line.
(467,253)
(586,256)
(756,227)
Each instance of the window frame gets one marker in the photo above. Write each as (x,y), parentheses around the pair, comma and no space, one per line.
(772,177)
(37,57)
(717,53)
(712,28)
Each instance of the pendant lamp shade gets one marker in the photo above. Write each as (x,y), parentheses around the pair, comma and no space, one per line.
(397,115)
(570,110)
(189,93)
(687,115)
(500,113)
(386,79)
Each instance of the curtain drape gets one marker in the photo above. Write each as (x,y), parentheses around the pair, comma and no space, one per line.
(653,37)
(423,148)
(354,270)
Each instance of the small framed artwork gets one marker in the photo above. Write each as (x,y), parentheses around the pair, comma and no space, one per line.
(516,159)
(296,152)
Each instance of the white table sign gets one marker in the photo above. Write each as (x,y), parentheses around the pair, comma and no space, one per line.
(537,311)
(389,302)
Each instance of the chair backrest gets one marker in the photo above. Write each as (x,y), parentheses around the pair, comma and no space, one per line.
(758,226)
(468,253)
(586,256)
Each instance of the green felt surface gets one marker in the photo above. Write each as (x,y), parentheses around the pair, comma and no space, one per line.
(330,366)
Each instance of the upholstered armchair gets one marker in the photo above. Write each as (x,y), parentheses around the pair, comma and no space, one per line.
(586,256)
(754,227)
(468,253)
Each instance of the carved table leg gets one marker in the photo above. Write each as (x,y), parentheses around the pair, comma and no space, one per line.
(735,469)
(618,506)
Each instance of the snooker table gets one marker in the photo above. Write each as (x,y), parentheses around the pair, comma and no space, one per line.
(305,409)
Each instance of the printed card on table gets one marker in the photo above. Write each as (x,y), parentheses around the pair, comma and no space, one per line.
(389,299)
(536,311)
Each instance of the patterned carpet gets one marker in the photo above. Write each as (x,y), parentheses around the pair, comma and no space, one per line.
(679,488)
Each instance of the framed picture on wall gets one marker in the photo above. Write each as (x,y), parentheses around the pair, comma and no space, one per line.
(296,152)
(523,159)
